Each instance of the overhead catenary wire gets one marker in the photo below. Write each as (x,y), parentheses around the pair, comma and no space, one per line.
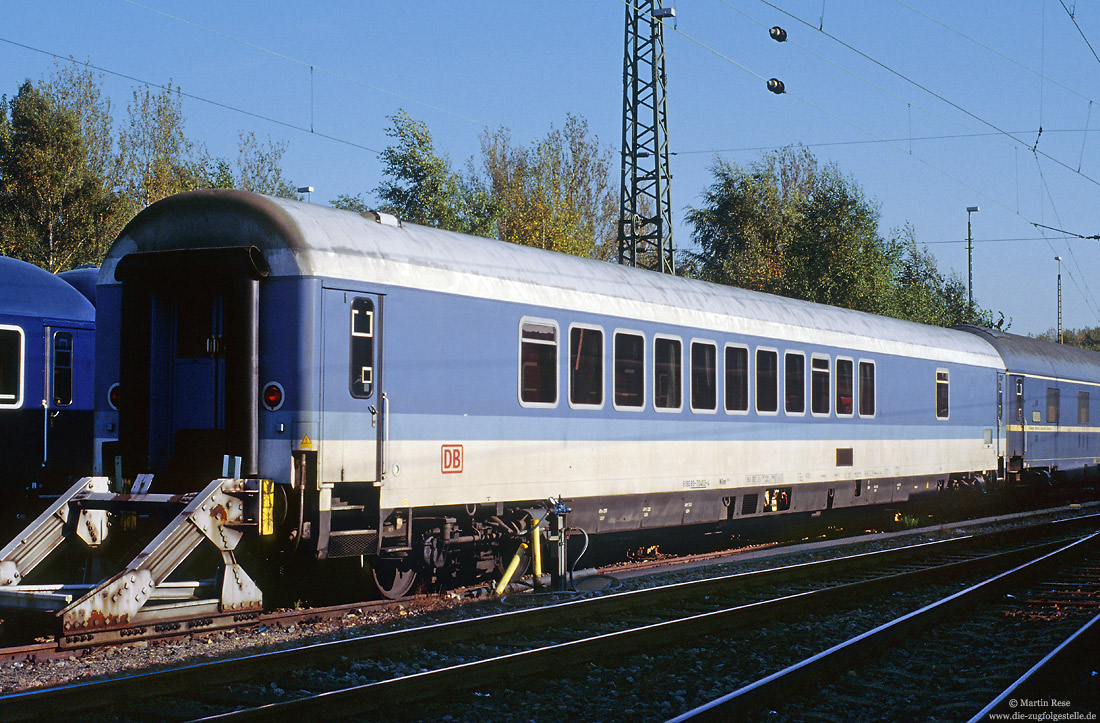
(192,96)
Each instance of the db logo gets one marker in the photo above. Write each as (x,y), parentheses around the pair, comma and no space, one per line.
(451,459)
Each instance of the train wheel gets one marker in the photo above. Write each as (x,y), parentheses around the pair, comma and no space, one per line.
(393,578)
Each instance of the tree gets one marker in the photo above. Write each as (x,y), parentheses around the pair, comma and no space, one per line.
(422,188)
(51,200)
(787,225)
(259,169)
(556,194)
(156,158)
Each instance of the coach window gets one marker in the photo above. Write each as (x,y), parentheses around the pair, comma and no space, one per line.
(845,391)
(942,394)
(1053,405)
(737,379)
(704,376)
(362,348)
(767,381)
(629,371)
(667,377)
(1082,407)
(62,369)
(794,383)
(538,363)
(866,389)
(585,366)
(11,366)
(819,386)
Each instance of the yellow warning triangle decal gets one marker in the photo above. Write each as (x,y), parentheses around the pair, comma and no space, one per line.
(306,444)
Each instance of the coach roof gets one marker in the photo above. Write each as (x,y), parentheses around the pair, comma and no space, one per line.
(30,291)
(300,239)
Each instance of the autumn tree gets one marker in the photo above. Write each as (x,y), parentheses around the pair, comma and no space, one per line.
(789,226)
(51,199)
(420,186)
(556,193)
(156,157)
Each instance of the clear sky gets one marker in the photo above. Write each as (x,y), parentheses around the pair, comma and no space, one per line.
(931,106)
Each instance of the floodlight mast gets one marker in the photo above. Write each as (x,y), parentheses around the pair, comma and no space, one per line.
(645,199)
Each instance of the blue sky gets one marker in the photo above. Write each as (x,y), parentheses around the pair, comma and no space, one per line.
(933,107)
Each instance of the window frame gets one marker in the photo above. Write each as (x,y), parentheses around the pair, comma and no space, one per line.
(352,336)
(836,387)
(653,365)
(54,368)
(557,361)
(786,355)
(17,402)
(748,379)
(857,382)
(614,361)
(756,382)
(1057,397)
(1083,402)
(819,356)
(691,376)
(602,370)
(946,381)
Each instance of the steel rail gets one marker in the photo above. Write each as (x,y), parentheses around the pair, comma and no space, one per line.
(85,695)
(506,669)
(750,698)
(1078,646)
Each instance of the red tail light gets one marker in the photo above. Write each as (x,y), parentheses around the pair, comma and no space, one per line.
(272,396)
(112,396)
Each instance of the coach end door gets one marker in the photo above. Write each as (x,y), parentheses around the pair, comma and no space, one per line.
(352,406)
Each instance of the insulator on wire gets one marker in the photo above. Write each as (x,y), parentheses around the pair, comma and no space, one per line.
(776,86)
(778,34)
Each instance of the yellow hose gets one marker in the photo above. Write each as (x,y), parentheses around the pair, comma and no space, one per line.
(536,551)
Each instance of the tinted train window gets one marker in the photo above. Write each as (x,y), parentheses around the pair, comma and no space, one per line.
(819,385)
(1053,405)
(794,383)
(737,379)
(629,370)
(767,381)
(538,376)
(845,392)
(362,348)
(11,367)
(62,369)
(586,366)
(666,374)
(942,396)
(866,389)
(1082,407)
(704,376)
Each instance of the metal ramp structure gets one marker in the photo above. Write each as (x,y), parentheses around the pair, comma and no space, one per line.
(139,601)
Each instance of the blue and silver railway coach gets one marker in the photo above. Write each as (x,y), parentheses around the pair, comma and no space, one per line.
(47,332)
(1050,399)
(414,393)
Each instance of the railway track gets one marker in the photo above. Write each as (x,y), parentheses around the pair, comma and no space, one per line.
(367,674)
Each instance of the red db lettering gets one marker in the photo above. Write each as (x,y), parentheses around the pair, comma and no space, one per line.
(451,459)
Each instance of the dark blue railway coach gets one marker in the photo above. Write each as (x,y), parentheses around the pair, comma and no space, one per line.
(47,343)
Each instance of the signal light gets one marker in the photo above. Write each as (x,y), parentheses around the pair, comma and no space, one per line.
(776,86)
(272,396)
(112,396)
(778,34)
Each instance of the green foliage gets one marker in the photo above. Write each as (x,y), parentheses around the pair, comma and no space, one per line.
(1087,338)
(51,199)
(786,225)
(555,194)
(259,167)
(157,159)
(421,187)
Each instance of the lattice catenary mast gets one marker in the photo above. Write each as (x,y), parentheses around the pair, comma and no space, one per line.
(645,206)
